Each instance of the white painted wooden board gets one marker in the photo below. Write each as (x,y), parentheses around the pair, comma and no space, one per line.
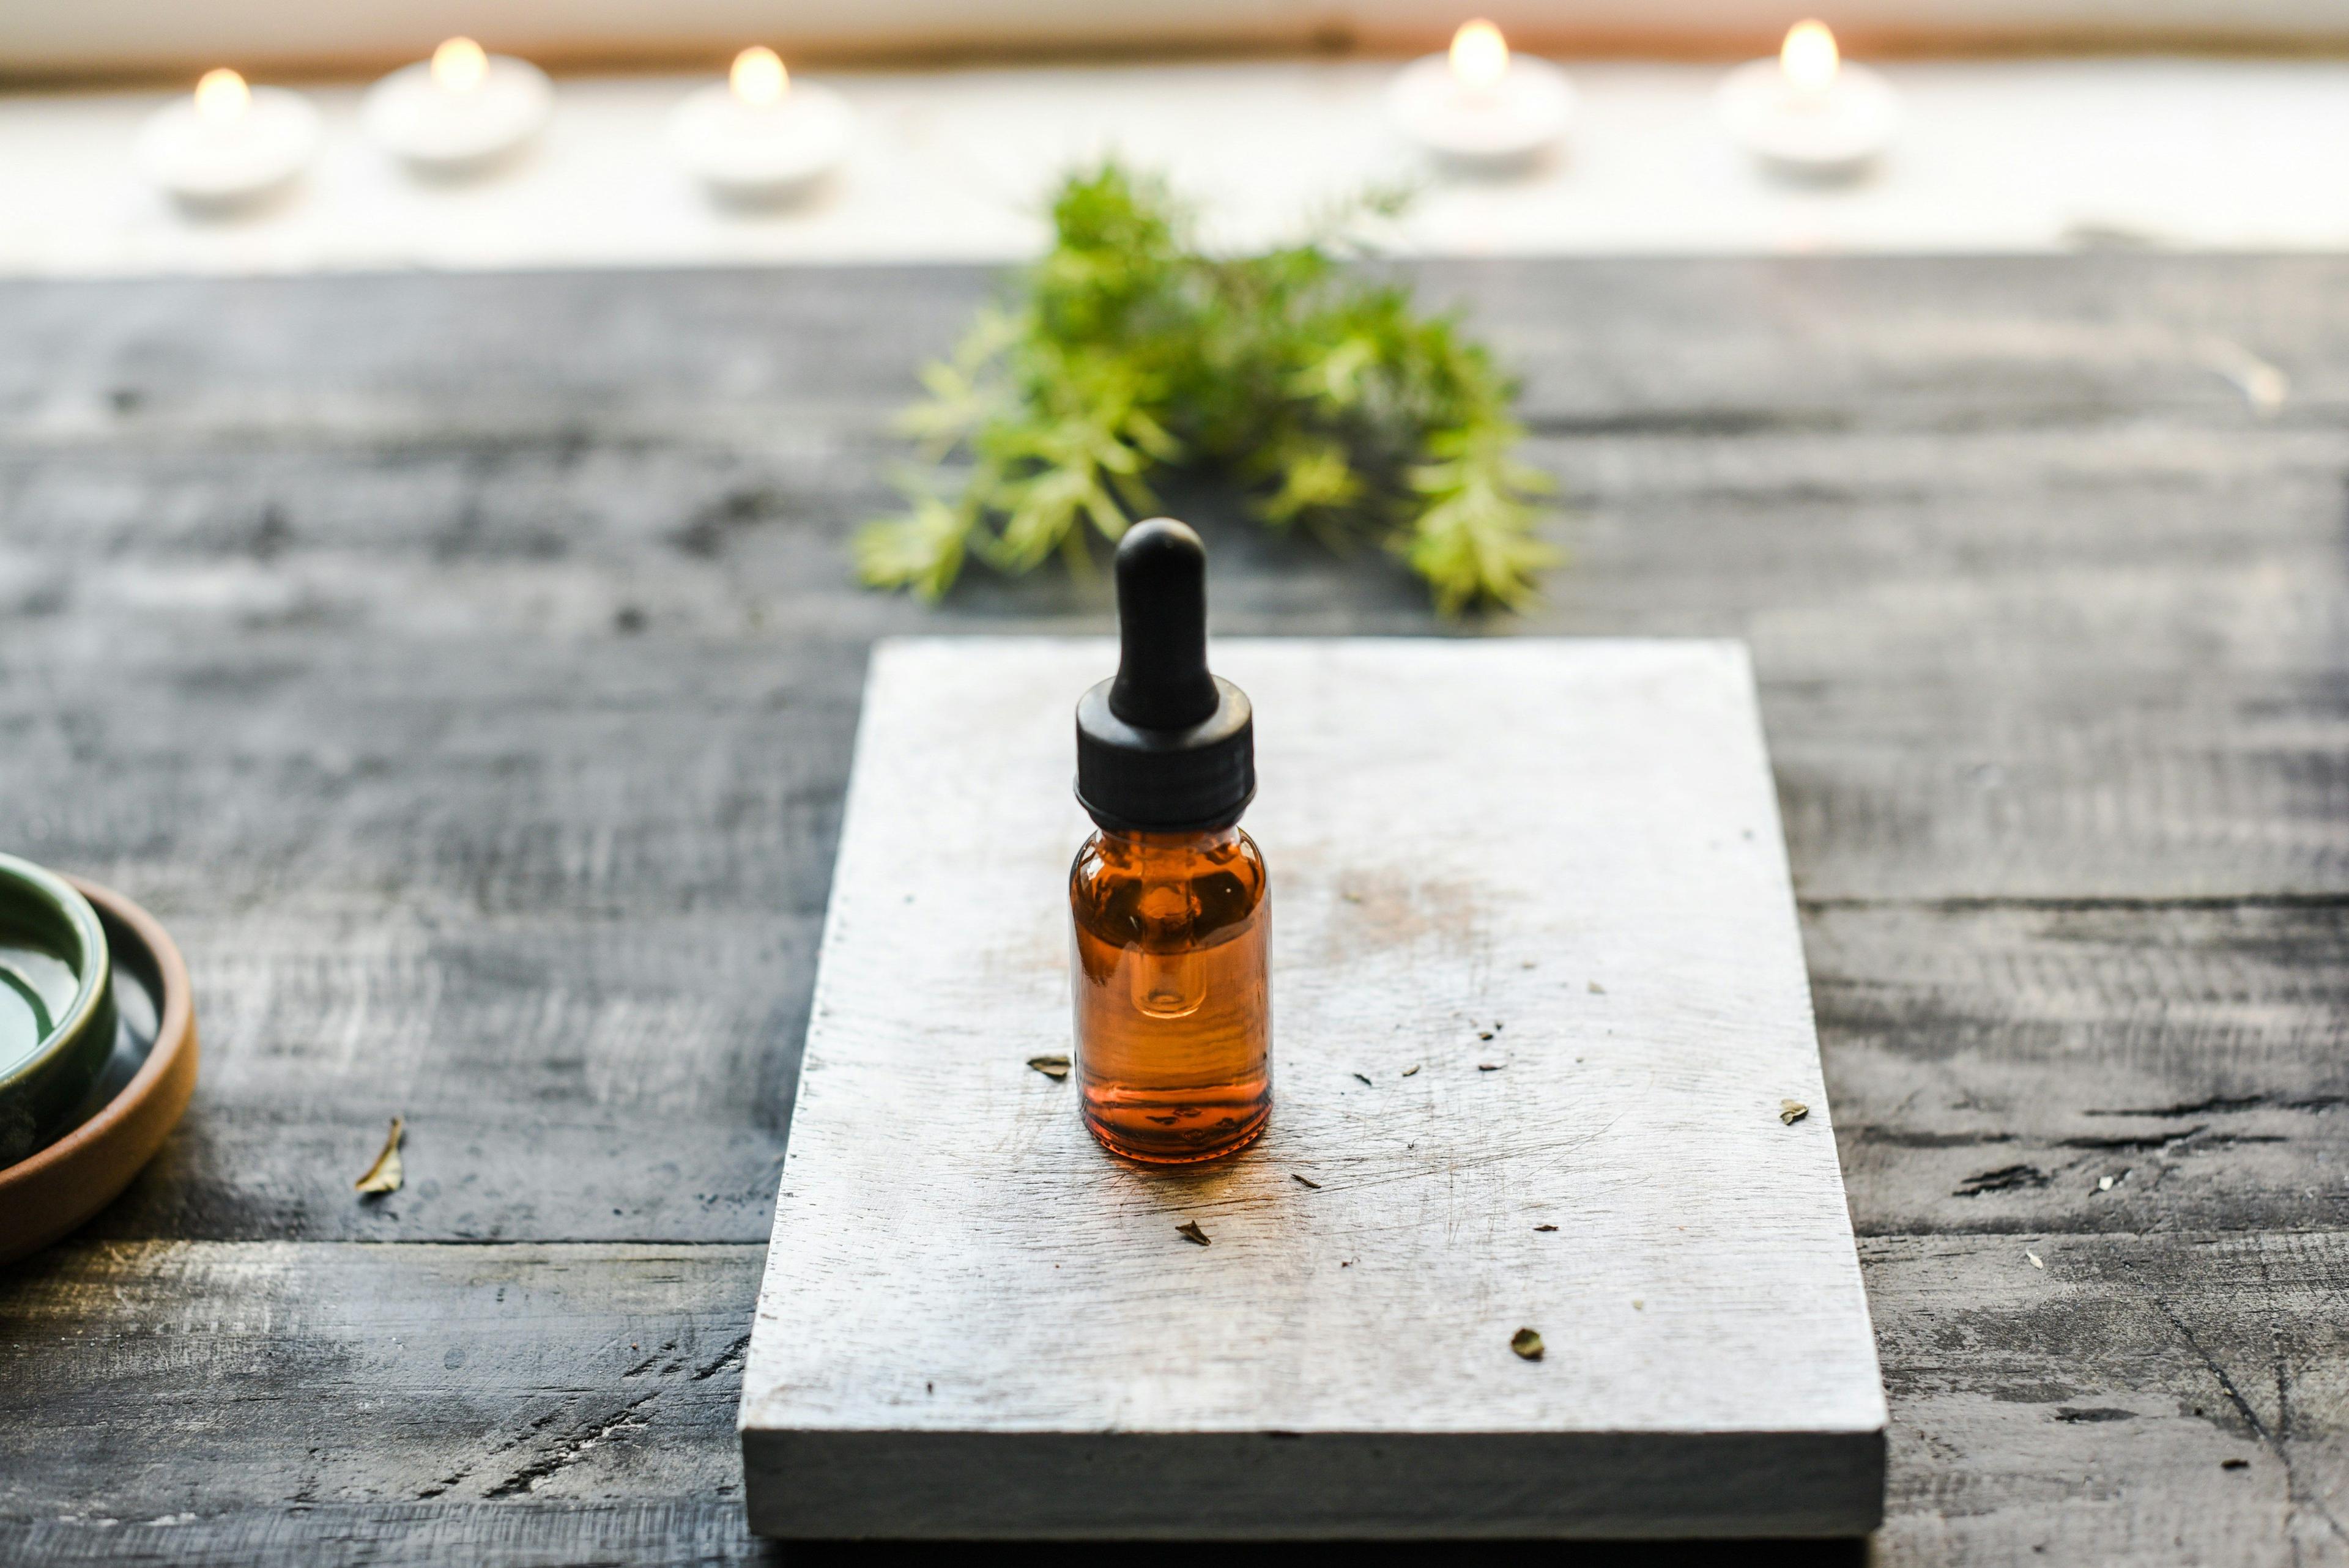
(975,1322)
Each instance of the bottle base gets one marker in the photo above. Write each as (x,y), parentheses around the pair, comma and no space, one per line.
(1136,1134)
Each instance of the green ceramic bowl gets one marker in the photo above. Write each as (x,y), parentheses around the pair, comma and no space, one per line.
(56,1004)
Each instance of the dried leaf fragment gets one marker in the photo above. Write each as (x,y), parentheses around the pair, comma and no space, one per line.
(1053,1068)
(385,1175)
(1301,1181)
(1791,1111)
(2033,1258)
(1527,1344)
(1189,1230)
(1597,989)
(1410,1069)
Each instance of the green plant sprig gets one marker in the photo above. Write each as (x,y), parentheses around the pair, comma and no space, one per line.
(1128,351)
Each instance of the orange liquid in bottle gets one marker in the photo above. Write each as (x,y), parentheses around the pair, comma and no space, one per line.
(1174,996)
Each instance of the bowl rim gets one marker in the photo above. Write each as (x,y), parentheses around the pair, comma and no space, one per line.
(97,967)
(54,1192)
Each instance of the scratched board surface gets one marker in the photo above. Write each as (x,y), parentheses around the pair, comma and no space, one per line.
(1538,1005)
(466,670)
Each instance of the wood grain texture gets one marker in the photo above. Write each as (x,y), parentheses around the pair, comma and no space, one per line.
(711,1532)
(331,1374)
(464,668)
(2087,1067)
(1539,999)
(2128,1400)
(443,688)
(2087,1408)
(696,1531)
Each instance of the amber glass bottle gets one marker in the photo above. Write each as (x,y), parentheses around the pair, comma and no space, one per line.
(1173,939)
(1173,992)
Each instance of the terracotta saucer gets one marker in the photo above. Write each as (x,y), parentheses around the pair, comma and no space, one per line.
(138,1097)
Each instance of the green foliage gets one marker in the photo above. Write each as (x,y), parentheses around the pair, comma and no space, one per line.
(1130,351)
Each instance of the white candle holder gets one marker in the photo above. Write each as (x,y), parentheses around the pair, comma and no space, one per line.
(760,137)
(229,145)
(1479,107)
(1810,114)
(458,112)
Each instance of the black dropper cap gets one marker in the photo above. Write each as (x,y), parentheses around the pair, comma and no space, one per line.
(1165,748)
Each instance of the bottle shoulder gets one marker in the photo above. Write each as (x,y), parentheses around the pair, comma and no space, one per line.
(1124,891)
(1105,858)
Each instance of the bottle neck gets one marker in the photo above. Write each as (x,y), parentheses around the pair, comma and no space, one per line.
(1125,844)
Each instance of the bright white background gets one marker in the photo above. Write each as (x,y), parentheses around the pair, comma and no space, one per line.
(51,35)
(2013,156)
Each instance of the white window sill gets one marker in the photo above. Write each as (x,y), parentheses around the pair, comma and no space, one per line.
(950,165)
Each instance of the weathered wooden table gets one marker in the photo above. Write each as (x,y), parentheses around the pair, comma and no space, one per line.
(465,669)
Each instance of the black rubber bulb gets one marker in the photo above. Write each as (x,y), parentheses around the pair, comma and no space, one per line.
(1162,627)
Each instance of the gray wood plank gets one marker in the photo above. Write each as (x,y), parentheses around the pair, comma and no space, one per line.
(697,1532)
(535,1535)
(300,580)
(1980,1060)
(1534,970)
(537,910)
(324,1374)
(1728,345)
(2087,1067)
(2087,1409)
(317,636)
(2067,589)
(2138,1399)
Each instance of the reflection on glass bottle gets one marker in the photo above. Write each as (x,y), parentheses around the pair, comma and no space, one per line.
(1167,976)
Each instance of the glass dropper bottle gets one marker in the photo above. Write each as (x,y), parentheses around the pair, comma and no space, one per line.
(1173,934)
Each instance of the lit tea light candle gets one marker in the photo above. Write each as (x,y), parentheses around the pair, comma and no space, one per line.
(760,136)
(1809,112)
(1479,104)
(228,144)
(459,111)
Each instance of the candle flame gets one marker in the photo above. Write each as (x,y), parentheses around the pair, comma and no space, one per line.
(1480,56)
(221,97)
(1809,58)
(459,65)
(757,77)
